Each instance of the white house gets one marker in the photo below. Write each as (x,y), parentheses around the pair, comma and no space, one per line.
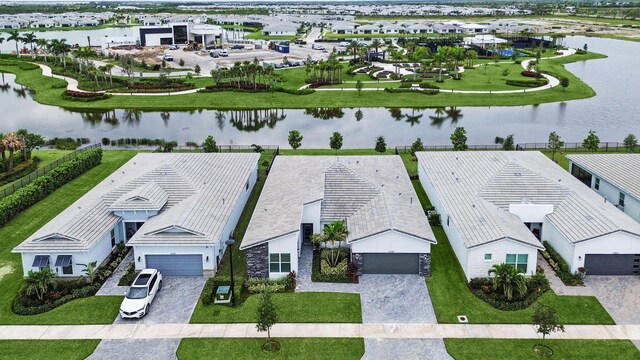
(616,177)
(483,41)
(179,33)
(498,207)
(343,28)
(175,210)
(368,29)
(388,231)
(280,29)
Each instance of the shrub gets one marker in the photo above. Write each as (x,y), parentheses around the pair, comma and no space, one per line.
(208,293)
(483,289)
(129,275)
(527,83)
(529,73)
(434,220)
(19,170)
(260,285)
(318,276)
(424,92)
(23,198)
(84,95)
(560,266)
(340,269)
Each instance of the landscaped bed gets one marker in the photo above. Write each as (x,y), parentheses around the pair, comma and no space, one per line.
(508,349)
(290,348)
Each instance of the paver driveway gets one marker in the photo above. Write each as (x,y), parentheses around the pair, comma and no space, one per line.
(620,295)
(395,299)
(140,349)
(432,349)
(174,303)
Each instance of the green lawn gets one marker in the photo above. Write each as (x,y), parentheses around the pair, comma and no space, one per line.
(507,349)
(291,348)
(46,157)
(451,297)
(330,152)
(46,349)
(303,307)
(48,92)
(93,310)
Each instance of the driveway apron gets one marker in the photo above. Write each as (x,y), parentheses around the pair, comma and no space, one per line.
(380,349)
(145,349)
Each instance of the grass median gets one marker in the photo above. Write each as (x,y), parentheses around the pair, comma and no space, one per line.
(91,310)
(47,349)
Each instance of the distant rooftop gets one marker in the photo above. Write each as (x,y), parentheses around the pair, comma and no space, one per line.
(621,170)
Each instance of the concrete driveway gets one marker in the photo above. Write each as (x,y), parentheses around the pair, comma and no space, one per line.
(620,295)
(395,299)
(174,304)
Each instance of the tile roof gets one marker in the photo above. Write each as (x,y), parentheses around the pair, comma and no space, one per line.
(476,189)
(621,170)
(373,193)
(197,191)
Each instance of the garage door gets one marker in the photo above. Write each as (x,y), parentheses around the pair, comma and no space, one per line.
(612,264)
(390,263)
(176,264)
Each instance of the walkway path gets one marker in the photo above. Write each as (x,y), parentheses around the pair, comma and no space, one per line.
(110,287)
(557,285)
(385,331)
(304,277)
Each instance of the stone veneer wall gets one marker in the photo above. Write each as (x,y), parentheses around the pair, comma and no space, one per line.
(424,267)
(358,259)
(258,261)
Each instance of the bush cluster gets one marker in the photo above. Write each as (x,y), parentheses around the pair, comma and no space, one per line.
(560,266)
(423,85)
(424,92)
(259,285)
(129,275)
(527,83)
(72,95)
(30,194)
(318,276)
(483,289)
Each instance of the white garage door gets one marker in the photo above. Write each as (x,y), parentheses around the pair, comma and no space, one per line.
(184,265)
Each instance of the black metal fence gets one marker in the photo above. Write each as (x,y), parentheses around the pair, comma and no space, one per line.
(610,146)
(25,180)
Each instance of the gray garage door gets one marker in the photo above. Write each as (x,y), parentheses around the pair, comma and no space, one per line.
(390,264)
(176,264)
(612,264)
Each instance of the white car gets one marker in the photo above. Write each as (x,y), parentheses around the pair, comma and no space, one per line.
(141,294)
(168,57)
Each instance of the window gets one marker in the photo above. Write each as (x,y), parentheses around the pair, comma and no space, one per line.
(279,263)
(621,199)
(246,187)
(518,260)
(152,282)
(487,257)
(447,220)
(596,185)
(113,237)
(68,270)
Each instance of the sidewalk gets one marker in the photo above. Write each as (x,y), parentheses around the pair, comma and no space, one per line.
(383,331)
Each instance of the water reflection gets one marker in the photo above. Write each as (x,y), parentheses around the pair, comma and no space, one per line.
(325,113)
(254,120)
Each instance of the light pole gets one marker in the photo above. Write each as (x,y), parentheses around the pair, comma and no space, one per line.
(230,243)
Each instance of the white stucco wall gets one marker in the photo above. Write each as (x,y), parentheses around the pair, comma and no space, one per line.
(616,243)
(454,237)
(135,215)
(288,244)
(154,39)
(391,242)
(612,194)
(478,267)
(140,252)
(311,215)
(531,213)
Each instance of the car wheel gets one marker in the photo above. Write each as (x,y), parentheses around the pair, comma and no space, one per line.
(146,310)
(160,285)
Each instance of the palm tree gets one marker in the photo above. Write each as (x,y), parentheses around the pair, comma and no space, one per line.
(39,282)
(457,55)
(30,38)
(376,44)
(439,58)
(2,40)
(109,67)
(470,55)
(353,47)
(43,45)
(508,279)
(13,143)
(335,232)
(14,35)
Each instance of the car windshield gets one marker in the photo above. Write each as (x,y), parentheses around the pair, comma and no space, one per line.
(137,293)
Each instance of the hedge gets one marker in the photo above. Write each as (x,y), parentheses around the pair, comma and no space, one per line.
(527,83)
(424,92)
(560,266)
(37,190)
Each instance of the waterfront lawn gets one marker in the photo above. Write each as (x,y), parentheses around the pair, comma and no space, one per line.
(46,157)
(522,349)
(290,348)
(92,310)
(47,349)
(301,307)
(49,91)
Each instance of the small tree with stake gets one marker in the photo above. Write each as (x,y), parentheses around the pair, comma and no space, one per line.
(416,146)
(459,139)
(630,142)
(335,141)
(555,144)
(508,143)
(267,317)
(591,142)
(295,139)
(546,320)
(359,86)
(564,82)
(381,145)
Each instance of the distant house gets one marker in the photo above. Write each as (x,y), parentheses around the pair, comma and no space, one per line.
(43,24)
(342,28)
(175,210)
(368,29)
(284,29)
(473,28)
(498,207)
(616,177)
(388,230)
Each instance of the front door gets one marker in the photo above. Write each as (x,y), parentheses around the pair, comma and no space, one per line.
(307,231)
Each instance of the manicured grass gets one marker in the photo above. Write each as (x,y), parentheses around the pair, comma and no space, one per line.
(451,297)
(93,310)
(291,348)
(46,349)
(507,349)
(46,157)
(48,91)
(303,307)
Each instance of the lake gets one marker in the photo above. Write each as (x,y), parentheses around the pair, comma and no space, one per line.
(613,113)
